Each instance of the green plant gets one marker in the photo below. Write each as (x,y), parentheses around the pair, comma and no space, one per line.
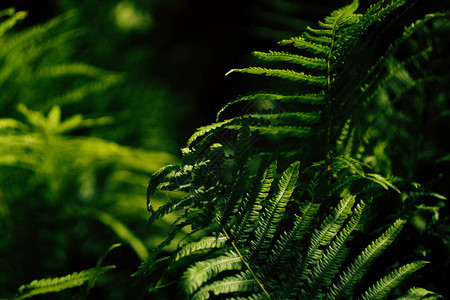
(53,285)
(56,168)
(294,238)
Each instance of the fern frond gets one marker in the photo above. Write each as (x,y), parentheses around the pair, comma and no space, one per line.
(322,237)
(313,63)
(243,282)
(324,271)
(283,118)
(51,285)
(340,16)
(293,131)
(319,39)
(285,247)
(196,275)
(320,32)
(271,216)
(209,242)
(385,183)
(356,270)
(284,74)
(207,129)
(250,207)
(330,227)
(311,99)
(417,293)
(301,43)
(383,286)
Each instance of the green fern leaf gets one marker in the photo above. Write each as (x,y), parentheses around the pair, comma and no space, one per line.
(383,286)
(313,63)
(243,282)
(322,237)
(301,43)
(285,248)
(271,216)
(340,16)
(311,99)
(293,131)
(51,285)
(251,205)
(354,272)
(207,129)
(196,275)
(320,32)
(209,242)
(417,293)
(284,74)
(324,271)
(330,227)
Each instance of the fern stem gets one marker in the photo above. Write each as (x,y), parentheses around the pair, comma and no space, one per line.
(246,264)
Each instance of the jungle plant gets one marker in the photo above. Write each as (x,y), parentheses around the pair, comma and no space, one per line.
(273,228)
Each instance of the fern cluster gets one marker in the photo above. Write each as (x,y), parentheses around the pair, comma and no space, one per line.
(273,228)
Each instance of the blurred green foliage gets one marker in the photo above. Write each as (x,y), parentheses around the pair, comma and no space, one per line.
(95,99)
(69,187)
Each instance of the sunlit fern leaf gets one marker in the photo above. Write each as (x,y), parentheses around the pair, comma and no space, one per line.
(340,16)
(207,129)
(320,39)
(272,214)
(284,74)
(327,231)
(311,99)
(243,282)
(251,204)
(383,286)
(196,275)
(293,131)
(285,247)
(356,270)
(314,253)
(385,183)
(326,268)
(301,43)
(417,293)
(209,242)
(283,118)
(343,162)
(52,285)
(313,63)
